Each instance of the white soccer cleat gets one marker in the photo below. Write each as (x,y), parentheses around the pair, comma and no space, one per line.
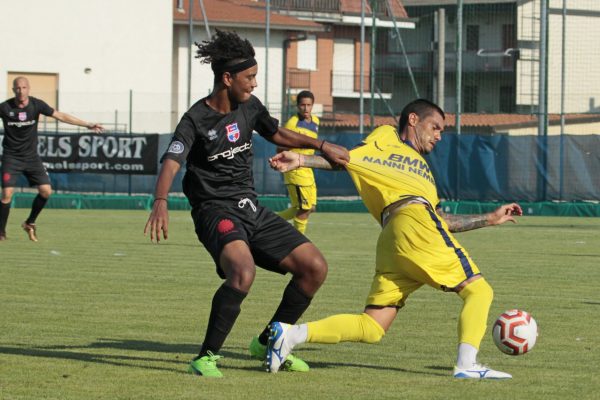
(478,371)
(278,347)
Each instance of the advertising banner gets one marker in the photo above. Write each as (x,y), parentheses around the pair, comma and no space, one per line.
(99,153)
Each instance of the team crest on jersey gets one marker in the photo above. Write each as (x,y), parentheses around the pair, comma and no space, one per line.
(22,116)
(233,132)
(176,147)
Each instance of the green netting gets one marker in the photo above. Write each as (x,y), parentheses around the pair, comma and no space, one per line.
(144,202)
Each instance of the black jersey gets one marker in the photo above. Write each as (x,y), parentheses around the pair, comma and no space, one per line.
(217,149)
(21,126)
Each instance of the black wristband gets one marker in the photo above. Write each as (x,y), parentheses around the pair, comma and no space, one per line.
(321,146)
(159,198)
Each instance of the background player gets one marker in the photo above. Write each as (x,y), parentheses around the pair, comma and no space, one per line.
(20,116)
(415,246)
(214,139)
(300,182)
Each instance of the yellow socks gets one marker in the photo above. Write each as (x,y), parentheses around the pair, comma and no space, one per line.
(477,297)
(345,328)
(288,213)
(300,224)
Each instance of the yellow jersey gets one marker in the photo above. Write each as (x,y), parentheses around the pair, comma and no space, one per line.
(385,170)
(302,176)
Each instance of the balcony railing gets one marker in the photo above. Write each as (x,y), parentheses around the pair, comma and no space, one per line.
(328,6)
(307,5)
(298,79)
(348,84)
(425,62)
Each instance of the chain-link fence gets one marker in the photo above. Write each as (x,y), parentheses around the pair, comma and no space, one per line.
(518,68)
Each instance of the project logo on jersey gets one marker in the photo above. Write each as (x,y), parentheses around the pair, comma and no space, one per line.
(233,132)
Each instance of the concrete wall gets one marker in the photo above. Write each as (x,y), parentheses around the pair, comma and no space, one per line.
(125,44)
(582,79)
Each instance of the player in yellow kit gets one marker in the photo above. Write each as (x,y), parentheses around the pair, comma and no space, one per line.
(300,182)
(415,246)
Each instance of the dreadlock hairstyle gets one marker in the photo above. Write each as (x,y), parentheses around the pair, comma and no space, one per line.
(423,108)
(226,52)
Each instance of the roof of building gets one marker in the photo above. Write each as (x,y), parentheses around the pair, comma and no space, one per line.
(487,122)
(240,13)
(354,7)
(415,3)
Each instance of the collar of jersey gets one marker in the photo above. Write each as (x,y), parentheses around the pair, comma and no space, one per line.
(408,142)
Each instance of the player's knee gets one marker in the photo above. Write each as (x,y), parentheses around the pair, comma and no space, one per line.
(485,291)
(241,277)
(7,194)
(481,290)
(318,269)
(45,192)
(302,214)
(372,331)
(314,272)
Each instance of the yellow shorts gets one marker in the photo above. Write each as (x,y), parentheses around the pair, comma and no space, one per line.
(413,249)
(303,197)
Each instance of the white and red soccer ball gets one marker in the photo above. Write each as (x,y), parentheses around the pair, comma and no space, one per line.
(515,332)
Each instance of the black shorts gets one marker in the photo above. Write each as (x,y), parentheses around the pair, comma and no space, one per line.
(33,169)
(269,237)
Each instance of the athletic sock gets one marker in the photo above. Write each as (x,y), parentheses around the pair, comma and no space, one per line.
(467,356)
(36,208)
(288,213)
(472,321)
(293,304)
(226,306)
(297,334)
(4,211)
(345,328)
(300,224)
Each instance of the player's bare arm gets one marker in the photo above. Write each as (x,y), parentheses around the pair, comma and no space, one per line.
(462,223)
(289,161)
(70,119)
(159,217)
(290,139)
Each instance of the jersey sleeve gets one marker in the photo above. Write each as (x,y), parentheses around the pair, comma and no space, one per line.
(44,108)
(182,141)
(291,123)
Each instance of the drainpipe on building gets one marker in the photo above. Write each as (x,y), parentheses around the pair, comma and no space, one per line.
(285,98)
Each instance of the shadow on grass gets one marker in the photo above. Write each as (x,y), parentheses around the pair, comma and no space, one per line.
(559,226)
(78,353)
(109,359)
(592,303)
(81,353)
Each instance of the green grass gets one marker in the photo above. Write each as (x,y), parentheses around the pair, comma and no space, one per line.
(94,311)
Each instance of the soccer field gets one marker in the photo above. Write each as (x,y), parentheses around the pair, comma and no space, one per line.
(95,311)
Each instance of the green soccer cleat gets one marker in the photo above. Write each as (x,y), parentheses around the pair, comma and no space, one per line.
(292,363)
(206,366)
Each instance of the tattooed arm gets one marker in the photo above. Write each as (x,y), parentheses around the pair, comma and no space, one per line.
(288,161)
(462,223)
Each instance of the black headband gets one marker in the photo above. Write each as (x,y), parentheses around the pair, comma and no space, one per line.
(221,67)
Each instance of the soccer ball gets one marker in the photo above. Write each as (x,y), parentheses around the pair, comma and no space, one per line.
(515,332)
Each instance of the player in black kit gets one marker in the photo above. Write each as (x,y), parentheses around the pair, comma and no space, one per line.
(214,139)
(20,116)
